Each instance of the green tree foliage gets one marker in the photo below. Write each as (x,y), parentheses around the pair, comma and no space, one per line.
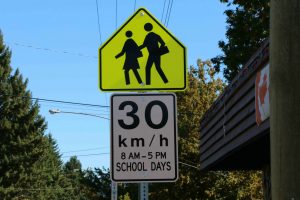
(128,191)
(98,186)
(203,90)
(73,165)
(74,175)
(98,183)
(48,180)
(21,129)
(247,27)
(239,185)
(125,197)
(30,165)
(88,184)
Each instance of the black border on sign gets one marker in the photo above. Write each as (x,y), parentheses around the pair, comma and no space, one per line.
(112,137)
(141,89)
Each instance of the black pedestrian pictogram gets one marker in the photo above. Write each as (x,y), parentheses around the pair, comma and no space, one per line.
(132,52)
(156,48)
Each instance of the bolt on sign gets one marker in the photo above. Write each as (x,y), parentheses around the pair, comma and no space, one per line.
(142,55)
(144,137)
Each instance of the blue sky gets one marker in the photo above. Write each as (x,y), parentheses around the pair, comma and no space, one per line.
(55,45)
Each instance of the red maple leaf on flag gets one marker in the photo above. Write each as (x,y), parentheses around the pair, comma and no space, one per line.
(262,90)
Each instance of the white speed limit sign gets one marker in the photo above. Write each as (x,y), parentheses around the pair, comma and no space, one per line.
(144,137)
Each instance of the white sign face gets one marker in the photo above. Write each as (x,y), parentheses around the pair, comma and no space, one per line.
(144,137)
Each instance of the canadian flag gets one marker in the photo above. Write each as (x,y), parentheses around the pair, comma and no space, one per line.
(262,102)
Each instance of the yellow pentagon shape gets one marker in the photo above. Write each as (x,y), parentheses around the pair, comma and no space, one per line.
(142,55)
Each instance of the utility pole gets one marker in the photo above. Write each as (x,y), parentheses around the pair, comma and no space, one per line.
(285,98)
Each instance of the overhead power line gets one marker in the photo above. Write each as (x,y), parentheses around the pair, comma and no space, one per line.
(54,111)
(70,102)
(99,27)
(50,105)
(187,162)
(52,50)
(58,101)
(134,8)
(81,150)
(195,167)
(169,13)
(116,14)
(87,155)
(36,189)
(78,103)
(168,7)
(163,12)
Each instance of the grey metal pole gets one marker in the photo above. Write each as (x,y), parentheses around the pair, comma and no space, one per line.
(143,191)
(114,190)
(285,98)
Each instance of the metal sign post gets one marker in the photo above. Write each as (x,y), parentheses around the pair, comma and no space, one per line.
(114,190)
(143,191)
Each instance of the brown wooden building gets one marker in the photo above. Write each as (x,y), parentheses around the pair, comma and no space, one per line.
(230,138)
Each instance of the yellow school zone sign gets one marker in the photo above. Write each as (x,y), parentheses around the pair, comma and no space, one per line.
(142,55)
